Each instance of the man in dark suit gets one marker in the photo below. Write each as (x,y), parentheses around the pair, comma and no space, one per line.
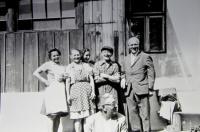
(138,83)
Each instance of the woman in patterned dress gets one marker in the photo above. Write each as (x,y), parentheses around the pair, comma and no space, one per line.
(54,103)
(80,89)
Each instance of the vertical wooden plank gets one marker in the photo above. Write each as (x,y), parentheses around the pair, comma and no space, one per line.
(45,43)
(97,18)
(76,39)
(121,31)
(115,29)
(14,62)
(107,20)
(62,43)
(97,11)
(30,62)
(79,15)
(88,12)
(89,38)
(115,14)
(107,11)
(99,41)
(19,62)
(2,50)
(107,35)
(10,43)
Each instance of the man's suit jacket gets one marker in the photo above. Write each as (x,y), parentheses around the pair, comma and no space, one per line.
(140,76)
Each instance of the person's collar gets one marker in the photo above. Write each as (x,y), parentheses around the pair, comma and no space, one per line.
(73,64)
(136,54)
(104,115)
(102,62)
(54,62)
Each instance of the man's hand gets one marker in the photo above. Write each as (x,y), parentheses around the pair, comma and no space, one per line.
(92,96)
(69,100)
(151,91)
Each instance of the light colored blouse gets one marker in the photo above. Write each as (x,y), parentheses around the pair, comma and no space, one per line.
(53,70)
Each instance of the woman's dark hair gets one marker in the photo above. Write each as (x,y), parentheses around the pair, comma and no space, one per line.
(83,53)
(52,50)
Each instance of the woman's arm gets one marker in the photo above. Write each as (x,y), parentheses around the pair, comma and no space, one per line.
(92,85)
(37,73)
(67,86)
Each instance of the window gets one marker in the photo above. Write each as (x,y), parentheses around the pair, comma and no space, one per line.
(147,20)
(2,15)
(46,14)
(41,14)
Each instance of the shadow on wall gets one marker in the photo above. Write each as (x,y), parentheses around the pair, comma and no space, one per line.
(172,63)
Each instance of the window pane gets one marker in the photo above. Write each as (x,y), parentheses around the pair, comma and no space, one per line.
(25,9)
(156,34)
(39,9)
(137,29)
(2,10)
(25,25)
(68,9)
(2,25)
(147,5)
(53,8)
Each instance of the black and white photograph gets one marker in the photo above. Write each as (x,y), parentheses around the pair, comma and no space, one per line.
(99,65)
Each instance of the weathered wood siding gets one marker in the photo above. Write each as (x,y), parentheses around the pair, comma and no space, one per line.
(104,25)
(23,52)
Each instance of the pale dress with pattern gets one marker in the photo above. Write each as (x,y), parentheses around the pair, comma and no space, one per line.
(80,91)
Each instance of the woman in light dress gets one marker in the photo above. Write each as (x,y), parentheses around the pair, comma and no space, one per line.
(80,89)
(55,99)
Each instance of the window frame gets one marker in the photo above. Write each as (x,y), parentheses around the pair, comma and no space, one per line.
(60,18)
(30,20)
(130,15)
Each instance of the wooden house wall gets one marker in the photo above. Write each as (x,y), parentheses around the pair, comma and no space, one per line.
(23,52)
(103,24)
(100,22)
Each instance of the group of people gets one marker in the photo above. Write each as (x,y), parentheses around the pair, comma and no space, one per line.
(89,92)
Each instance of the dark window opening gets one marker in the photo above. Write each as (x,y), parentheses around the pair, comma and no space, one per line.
(147,21)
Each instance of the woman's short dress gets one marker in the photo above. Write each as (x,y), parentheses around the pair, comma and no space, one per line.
(80,91)
(55,100)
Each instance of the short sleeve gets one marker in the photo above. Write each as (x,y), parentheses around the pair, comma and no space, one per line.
(89,69)
(96,69)
(44,67)
(116,70)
